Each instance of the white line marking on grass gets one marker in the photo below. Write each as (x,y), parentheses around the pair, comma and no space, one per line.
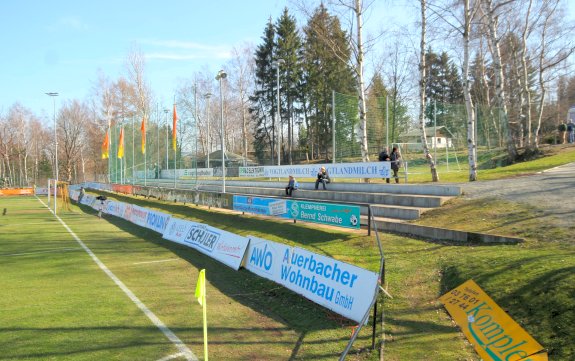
(184,350)
(47,251)
(171,357)
(162,260)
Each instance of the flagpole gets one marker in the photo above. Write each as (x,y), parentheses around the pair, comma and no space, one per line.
(145,140)
(108,134)
(205,316)
(133,154)
(196,130)
(166,111)
(175,141)
(201,296)
(157,170)
(113,152)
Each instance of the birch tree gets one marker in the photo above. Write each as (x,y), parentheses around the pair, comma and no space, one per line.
(490,12)
(422,97)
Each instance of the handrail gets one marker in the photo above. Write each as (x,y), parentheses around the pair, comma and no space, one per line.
(381,281)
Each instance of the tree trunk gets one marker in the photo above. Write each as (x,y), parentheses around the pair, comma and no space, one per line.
(361,81)
(498,72)
(471,146)
(422,99)
(525,90)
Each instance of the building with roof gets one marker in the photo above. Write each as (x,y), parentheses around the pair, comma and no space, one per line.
(438,137)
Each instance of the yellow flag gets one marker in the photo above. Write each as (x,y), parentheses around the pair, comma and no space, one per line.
(106,147)
(121,144)
(143,129)
(174,128)
(201,287)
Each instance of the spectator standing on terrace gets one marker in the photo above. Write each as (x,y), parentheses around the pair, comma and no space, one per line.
(384,157)
(323,177)
(571,132)
(81,195)
(292,185)
(394,157)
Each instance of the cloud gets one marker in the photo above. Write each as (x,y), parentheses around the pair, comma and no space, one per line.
(184,50)
(72,22)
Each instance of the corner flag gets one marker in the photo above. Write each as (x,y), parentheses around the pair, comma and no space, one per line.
(201,287)
(201,296)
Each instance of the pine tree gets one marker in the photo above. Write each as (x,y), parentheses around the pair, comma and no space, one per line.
(288,47)
(263,100)
(325,72)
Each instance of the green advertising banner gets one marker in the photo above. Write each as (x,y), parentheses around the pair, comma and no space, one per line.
(340,215)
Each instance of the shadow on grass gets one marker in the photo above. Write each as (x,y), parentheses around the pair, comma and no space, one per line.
(246,288)
(129,338)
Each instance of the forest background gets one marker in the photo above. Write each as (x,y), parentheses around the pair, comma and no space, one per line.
(496,74)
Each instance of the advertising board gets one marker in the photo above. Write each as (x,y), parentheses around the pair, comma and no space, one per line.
(341,287)
(340,215)
(493,333)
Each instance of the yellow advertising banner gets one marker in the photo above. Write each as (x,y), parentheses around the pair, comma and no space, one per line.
(492,332)
(538,357)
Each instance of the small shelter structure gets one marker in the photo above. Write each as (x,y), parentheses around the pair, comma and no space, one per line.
(436,137)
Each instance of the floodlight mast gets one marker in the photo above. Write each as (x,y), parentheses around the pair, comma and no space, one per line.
(53,95)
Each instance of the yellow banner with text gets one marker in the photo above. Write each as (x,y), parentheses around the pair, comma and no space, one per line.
(494,334)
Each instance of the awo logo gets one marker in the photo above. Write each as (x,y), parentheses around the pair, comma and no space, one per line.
(492,337)
(262,258)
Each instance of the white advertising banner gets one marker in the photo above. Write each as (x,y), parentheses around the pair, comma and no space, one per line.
(88,200)
(253,172)
(192,173)
(338,170)
(139,216)
(220,245)
(73,195)
(41,191)
(115,208)
(177,229)
(341,287)
(157,221)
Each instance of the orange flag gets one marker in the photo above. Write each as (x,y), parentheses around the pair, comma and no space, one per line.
(121,144)
(143,129)
(174,128)
(106,147)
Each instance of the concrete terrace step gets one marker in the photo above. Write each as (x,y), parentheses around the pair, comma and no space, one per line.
(401,200)
(390,201)
(412,189)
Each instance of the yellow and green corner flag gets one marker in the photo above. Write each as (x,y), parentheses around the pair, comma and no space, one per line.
(201,296)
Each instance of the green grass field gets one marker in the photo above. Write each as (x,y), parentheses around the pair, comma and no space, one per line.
(58,304)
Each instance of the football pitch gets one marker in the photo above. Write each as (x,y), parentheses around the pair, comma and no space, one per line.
(76,287)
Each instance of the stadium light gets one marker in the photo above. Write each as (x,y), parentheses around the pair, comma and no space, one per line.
(222,75)
(54,95)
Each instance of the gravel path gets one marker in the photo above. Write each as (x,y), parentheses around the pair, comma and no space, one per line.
(552,191)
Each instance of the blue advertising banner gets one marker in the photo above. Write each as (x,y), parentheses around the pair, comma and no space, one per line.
(325,213)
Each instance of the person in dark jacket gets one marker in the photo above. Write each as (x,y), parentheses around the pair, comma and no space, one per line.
(384,157)
(395,157)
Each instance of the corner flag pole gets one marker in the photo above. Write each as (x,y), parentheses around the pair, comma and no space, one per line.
(201,296)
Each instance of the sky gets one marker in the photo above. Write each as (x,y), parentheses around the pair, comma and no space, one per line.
(62,46)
